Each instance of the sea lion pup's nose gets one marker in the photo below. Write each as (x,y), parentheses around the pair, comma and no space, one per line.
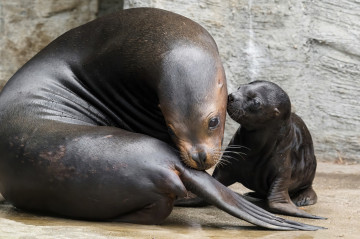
(233,97)
(199,156)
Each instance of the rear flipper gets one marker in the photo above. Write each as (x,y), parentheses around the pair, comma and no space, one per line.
(278,201)
(304,197)
(218,195)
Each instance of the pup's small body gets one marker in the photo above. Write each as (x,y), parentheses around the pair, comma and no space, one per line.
(272,151)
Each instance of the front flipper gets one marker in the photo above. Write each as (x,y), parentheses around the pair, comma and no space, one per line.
(279,201)
(222,173)
(203,185)
(191,201)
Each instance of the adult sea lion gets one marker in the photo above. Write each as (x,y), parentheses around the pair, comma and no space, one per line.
(115,118)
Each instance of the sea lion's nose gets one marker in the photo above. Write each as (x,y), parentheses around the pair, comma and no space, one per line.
(199,156)
(233,97)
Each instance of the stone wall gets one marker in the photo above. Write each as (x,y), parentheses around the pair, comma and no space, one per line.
(108,6)
(27,26)
(310,48)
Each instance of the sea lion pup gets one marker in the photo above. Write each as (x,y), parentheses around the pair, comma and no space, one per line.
(89,125)
(272,151)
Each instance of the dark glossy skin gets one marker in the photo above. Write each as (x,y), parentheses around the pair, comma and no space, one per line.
(276,158)
(112,119)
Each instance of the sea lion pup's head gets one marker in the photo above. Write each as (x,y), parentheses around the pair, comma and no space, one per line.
(259,104)
(193,100)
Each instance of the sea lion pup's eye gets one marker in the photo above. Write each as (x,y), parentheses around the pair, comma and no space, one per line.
(214,123)
(256,103)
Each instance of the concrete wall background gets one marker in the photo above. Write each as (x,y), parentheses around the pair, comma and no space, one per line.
(310,48)
(27,26)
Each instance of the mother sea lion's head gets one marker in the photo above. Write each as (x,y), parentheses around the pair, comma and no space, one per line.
(193,100)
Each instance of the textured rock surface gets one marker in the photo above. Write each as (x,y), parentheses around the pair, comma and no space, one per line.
(27,26)
(310,48)
(108,6)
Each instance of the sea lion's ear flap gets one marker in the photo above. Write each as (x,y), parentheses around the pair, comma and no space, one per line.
(276,112)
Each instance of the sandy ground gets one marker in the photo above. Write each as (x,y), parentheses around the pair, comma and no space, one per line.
(337,186)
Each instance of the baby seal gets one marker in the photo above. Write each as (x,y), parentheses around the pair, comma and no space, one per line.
(272,151)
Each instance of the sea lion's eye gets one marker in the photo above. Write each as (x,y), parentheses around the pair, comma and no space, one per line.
(214,123)
(255,105)
(170,131)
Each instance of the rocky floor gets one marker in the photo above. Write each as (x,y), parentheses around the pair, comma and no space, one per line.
(337,186)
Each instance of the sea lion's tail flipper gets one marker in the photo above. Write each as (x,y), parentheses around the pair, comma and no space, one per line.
(220,196)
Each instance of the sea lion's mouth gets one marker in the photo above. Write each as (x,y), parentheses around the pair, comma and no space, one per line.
(235,112)
(199,160)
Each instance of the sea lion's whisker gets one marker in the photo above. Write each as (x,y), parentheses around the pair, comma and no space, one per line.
(224,160)
(230,157)
(237,146)
(237,153)
(227,152)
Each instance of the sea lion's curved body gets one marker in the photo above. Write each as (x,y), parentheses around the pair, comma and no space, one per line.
(94,125)
(272,151)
